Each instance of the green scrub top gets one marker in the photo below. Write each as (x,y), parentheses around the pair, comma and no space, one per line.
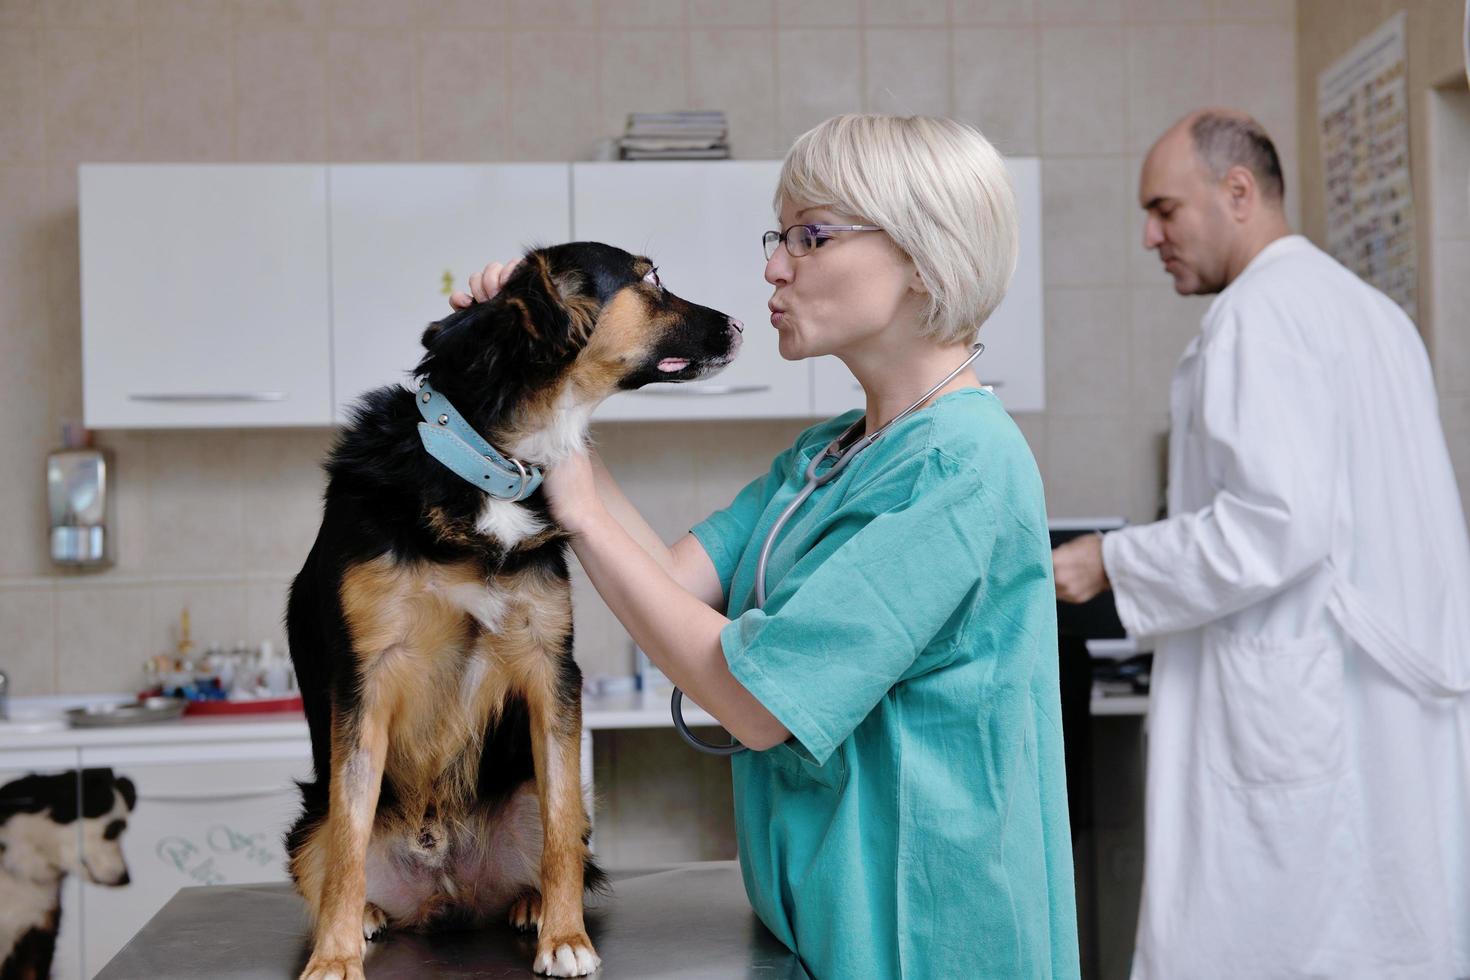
(916,824)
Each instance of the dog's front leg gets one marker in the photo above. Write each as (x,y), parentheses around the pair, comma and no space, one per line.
(359,747)
(562,947)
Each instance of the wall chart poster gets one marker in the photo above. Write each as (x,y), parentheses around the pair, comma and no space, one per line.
(1363,110)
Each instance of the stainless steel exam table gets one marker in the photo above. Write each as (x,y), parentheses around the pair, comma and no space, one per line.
(688,921)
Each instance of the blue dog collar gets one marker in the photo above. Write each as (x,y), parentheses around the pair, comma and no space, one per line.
(454,442)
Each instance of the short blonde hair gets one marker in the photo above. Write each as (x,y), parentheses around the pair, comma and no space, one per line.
(936,186)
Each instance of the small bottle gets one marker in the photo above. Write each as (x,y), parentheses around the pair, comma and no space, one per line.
(274,674)
(225,671)
(185,647)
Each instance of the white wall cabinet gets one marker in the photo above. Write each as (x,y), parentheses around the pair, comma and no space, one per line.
(1013,361)
(275,295)
(701,224)
(404,235)
(204,296)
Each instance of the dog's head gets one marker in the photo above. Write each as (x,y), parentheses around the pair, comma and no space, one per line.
(38,825)
(583,320)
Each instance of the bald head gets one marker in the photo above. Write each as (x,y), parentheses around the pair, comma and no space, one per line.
(1225,139)
(1213,189)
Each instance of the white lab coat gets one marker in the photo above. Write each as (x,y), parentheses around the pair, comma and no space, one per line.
(1308,810)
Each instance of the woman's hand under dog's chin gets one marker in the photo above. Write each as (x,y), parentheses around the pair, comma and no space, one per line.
(571,492)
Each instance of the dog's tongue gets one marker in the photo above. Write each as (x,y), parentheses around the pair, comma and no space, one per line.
(671,364)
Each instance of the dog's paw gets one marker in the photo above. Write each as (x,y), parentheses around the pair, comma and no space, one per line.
(525,912)
(333,968)
(374,921)
(567,956)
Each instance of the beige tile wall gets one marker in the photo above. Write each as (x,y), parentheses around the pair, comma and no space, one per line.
(1327,29)
(220,520)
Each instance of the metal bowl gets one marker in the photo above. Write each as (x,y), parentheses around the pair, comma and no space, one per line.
(144,711)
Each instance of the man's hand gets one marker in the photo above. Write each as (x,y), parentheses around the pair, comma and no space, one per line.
(1078,567)
(484,284)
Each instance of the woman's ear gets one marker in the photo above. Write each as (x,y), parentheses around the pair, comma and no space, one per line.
(916,281)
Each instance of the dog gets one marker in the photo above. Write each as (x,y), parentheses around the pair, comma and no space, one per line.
(40,844)
(430,625)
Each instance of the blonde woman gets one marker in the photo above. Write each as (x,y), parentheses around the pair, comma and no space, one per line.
(903,811)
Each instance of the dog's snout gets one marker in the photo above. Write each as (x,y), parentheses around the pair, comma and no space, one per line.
(739,327)
(125,879)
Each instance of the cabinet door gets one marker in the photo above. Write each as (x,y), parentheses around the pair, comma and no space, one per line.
(701,224)
(204,295)
(1013,360)
(195,823)
(66,963)
(404,235)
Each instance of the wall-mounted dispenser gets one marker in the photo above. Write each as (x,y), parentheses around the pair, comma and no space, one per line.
(81,492)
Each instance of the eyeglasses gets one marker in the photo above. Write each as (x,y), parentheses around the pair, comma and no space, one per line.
(801,239)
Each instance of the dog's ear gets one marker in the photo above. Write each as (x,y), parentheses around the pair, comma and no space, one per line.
(97,795)
(129,792)
(61,793)
(548,307)
(538,309)
(32,793)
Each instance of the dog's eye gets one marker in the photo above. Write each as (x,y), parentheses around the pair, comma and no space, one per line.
(653,280)
(114,830)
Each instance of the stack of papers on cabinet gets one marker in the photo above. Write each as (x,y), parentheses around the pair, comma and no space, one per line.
(685,135)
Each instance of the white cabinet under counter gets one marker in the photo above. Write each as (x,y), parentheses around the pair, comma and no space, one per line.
(202,818)
(214,799)
(204,295)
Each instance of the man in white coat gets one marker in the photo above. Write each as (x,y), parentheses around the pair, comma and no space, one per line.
(1308,810)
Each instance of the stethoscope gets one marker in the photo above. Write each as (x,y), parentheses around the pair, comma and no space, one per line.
(835,450)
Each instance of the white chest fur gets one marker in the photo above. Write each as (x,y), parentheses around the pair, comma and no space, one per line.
(29,875)
(484,602)
(564,434)
(507,522)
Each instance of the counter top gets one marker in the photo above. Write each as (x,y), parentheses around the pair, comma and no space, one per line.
(689,921)
(192,731)
(618,711)
(645,709)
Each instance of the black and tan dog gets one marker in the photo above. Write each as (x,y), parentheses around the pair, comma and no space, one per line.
(431,624)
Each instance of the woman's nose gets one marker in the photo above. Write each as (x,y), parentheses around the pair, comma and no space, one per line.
(778,267)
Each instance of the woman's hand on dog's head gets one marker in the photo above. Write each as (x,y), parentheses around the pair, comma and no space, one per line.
(484,284)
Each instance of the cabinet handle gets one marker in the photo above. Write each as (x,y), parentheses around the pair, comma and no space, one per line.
(699,391)
(211,396)
(234,794)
